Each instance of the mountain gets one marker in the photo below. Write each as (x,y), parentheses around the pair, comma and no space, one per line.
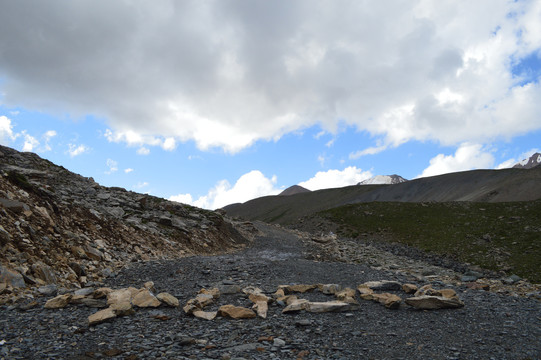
(533,161)
(505,185)
(60,227)
(292,190)
(383,179)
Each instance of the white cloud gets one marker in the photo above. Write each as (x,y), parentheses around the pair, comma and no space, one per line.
(76,150)
(507,164)
(30,142)
(169,144)
(368,151)
(46,138)
(140,185)
(112,166)
(143,151)
(222,74)
(6,131)
(132,138)
(336,178)
(128,170)
(466,157)
(249,186)
(182,198)
(321,159)
(49,134)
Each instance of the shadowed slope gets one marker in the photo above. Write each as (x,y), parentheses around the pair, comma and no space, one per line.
(477,186)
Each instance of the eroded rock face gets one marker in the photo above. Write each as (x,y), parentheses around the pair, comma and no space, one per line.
(47,212)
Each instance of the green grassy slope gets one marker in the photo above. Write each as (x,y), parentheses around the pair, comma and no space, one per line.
(496,236)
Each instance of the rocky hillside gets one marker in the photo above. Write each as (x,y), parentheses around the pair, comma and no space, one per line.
(60,227)
(531,162)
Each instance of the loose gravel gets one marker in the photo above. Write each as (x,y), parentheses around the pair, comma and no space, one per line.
(489,326)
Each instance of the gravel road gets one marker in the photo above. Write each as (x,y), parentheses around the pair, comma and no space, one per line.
(489,326)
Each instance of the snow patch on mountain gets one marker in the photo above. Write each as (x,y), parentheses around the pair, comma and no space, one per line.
(532,161)
(383,179)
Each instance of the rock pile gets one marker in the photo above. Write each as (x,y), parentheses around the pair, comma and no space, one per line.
(119,302)
(57,227)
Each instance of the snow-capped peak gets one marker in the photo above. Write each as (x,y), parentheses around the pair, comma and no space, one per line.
(532,161)
(383,179)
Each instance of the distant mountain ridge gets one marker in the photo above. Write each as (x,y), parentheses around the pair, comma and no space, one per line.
(505,185)
(531,162)
(383,179)
(292,190)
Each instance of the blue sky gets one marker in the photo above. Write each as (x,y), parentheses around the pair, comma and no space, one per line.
(212,102)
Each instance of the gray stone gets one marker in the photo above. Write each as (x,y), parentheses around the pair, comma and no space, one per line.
(227,289)
(383,285)
(77,268)
(512,279)
(48,290)
(278,342)
(44,272)
(428,302)
(468,278)
(243,347)
(11,277)
(14,206)
(330,288)
(5,237)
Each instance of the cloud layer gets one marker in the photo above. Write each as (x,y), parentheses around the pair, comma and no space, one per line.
(249,186)
(466,157)
(228,73)
(336,178)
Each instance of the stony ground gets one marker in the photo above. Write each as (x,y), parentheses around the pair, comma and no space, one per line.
(491,325)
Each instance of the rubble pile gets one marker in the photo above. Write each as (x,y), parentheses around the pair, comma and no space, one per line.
(57,227)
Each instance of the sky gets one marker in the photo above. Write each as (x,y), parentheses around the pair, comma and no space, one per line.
(213,102)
